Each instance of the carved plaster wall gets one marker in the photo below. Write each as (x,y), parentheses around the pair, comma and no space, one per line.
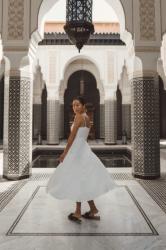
(15,20)
(147,20)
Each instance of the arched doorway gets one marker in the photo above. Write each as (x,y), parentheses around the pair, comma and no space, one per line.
(83,83)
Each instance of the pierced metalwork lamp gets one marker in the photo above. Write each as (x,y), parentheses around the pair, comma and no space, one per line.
(79,24)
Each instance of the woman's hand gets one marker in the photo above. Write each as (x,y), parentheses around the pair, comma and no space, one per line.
(62,156)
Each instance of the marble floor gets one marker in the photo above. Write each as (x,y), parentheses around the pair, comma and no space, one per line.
(133,216)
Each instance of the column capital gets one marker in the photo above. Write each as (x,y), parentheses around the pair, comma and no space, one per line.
(53,92)
(20,66)
(143,64)
(145,73)
(110,92)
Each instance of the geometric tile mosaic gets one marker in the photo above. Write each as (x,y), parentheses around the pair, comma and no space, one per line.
(19,117)
(145,126)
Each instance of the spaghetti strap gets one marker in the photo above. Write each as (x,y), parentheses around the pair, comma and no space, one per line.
(84,120)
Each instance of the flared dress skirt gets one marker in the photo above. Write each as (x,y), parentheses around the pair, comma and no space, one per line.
(81,176)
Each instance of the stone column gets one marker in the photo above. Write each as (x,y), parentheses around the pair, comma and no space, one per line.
(126,115)
(61,117)
(53,121)
(17,125)
(38,85)
(36,115)
(111,120)
(102,120)
(145,89)
(145,127)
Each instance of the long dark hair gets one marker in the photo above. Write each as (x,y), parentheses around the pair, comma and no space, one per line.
(80,99)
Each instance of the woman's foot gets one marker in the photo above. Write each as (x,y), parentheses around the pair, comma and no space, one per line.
(94,211)
(91,214)
(77,215)
(74,218)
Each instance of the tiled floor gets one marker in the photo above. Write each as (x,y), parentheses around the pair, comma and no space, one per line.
(132,216)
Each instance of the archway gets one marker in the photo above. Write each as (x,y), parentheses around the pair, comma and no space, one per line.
(118,8)
(82,82)
(115,4)
(125,35)
(81,63)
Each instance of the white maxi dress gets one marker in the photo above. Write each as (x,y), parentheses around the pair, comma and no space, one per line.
(81,176)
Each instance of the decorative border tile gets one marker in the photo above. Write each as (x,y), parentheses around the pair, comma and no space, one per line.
(116,176)
(157,191)
(9,194)
(11,233)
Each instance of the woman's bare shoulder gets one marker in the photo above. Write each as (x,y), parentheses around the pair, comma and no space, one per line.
(78,119)
(78,116)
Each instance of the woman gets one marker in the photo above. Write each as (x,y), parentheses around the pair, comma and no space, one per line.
(80,176)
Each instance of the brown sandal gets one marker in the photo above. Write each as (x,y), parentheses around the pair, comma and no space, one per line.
(73,218)
(87,215)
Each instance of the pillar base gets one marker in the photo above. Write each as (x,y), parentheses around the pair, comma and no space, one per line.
(10,178)
(144,177)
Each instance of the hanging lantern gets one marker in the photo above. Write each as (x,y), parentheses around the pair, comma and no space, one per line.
(79,21)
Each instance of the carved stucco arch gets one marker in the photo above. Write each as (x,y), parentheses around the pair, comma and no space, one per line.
(119,9)
(115,4)
(76,64)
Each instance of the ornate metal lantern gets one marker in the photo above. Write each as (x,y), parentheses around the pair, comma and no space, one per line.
(79,21)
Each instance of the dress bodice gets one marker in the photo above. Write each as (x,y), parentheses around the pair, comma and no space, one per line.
(82,132)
